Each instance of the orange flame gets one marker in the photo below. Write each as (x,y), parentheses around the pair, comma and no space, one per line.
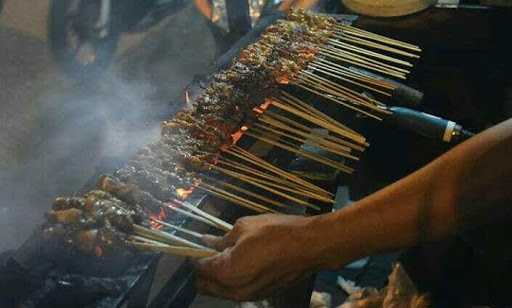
(161,216)
(238,134)
(183,193)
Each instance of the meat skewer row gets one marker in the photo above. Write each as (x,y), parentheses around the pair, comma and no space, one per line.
(307,51)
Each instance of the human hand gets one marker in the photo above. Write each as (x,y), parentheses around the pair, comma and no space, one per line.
(260,256)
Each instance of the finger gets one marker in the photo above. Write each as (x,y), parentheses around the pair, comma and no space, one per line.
(212,241)
(213,267)
(220,243)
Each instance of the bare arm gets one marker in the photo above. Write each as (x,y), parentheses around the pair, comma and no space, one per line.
(468,186)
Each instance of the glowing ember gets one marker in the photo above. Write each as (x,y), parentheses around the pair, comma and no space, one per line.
(183,193)
(237,135)
(161,216)
(263,107)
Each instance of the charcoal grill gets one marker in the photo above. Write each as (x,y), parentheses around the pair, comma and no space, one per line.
(43,273)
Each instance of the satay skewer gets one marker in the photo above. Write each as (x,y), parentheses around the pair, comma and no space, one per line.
(329,126)
(250,193)
(223,194)
(371,104)
(333,73)
(374,36)
(306,136)
(359,62)
(301,105)
(174,250)
(261,129)
(337,89)
(273,179)
(267,186)
(180,229)
(271,176)
(354,73)
(292,149)
(276,118)
(197,217)
(357,79)
(358,52)
(251,158)
(336,100)
(164,237)
(277,188)
(331,87)
(368,43)
(219,222)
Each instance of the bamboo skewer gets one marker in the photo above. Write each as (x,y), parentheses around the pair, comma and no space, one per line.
(145,240)
(363,33)
(355,74)
(332,72)
(343,55)
(186,231)
(313,116)
(174,250)
(251,158)
(337,100)
(312,142)
(195,217)
(221,193)
(277,120)
(325,161)
(219,222)
(359,62)
(305,134)
(299,104)
(357,79)
(359,52)
(277,180)
(315,83)
(342,142)
(375,45)
(356,138)
(294,190)
(250,193)
(366,101)
(316,139)
(164,237)
(336,89)
(295,101)
(267,186)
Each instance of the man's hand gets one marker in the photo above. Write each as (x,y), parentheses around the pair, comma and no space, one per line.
(261,255)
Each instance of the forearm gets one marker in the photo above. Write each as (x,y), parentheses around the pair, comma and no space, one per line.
(460,189)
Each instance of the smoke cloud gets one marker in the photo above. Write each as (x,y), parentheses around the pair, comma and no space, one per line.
(80,131)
